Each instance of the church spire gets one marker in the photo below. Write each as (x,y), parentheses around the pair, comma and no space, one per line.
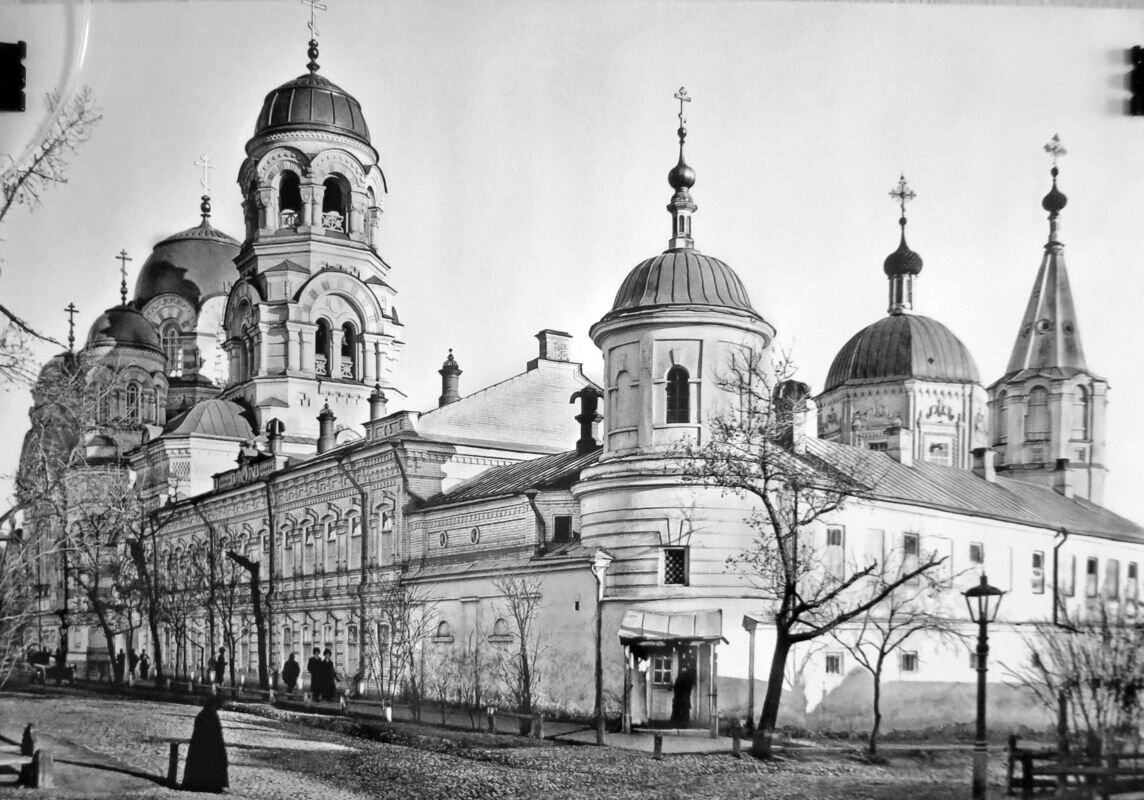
(205,206)
(1049,337)
(681,178)
(123,259)
(312,51)
(903,264)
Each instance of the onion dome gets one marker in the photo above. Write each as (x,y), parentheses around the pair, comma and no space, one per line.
(311,102)
(901,347)
(194,264)
(213,417)
(123,326)
(902,261)
(1055,200)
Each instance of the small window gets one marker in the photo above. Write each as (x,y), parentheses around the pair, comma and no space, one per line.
(675,566)
(1112,579)
(909,662)
(938,451)
(976,553)
(1068,577)
(833,663)
(834,536)
(501,631)
(562,528)
(678,395)
(444,633)
(1090,573)
(1038,572)
(878,447)
(910,544)
(1037,415)
(1132,584)
(661,670)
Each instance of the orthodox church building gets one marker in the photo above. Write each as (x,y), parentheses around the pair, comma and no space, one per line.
(255,416)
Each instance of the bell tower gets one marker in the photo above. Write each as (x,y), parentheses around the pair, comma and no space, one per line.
(311,320)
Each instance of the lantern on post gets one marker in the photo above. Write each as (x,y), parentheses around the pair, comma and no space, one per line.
(983,601)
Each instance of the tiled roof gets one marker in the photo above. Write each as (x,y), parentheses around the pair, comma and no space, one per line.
(961,492)
(557,471)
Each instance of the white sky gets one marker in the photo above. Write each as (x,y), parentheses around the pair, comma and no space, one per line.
(526,146)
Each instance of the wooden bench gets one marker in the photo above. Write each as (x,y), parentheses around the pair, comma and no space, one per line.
(1117,776)
(42,673)
(534,726)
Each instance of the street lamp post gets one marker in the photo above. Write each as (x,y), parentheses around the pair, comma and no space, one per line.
(983,601)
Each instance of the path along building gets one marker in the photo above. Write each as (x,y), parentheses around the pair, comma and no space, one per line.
(279,353)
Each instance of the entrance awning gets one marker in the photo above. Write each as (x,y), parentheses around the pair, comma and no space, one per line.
(658,626)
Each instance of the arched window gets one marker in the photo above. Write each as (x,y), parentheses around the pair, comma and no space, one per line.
(623,403)
(1037,415)
(333,205)
(171,335)
(289,200)
(349,352)
(322,348)
(103,408)
(501,629)
(1080,411)
(1001,420)
(133,402)
(678,395)
(444,632)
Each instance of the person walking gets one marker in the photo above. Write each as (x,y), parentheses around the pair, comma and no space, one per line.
(220,666)
(144,666)
(329,675)
(207,767)
(132,661)
(314,668)
(290,672)
(120,665)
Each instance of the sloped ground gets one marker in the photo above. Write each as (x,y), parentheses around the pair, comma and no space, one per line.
(277,758)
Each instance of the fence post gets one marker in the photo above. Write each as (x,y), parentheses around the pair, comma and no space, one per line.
(1010,769)
(492,720)
(657,753)
(173,766)
(1109,776)
(538,725)
(1026,776)
(42,763)
(737,739)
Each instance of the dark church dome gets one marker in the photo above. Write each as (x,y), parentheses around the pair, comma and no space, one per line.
(682,277)
(902,346)
(194,264)
(123,326)
(311,102)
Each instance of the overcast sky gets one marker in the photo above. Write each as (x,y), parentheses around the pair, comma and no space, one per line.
(526,147)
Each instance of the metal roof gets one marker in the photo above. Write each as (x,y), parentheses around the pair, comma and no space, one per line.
(558,471)
(682,277)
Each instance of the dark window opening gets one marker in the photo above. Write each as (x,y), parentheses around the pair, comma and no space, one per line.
(290,194)
(349,352)
(562,529)
(678,395)
(322,348)
(675,566)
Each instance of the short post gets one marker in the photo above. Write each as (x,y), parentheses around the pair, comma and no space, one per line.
(173,766)
(307,698)
(1109,776)
(1009,770)
(270,696)
(28,741)
(342,704)
(538,725)
(492,717)
(1026,776)
(737,739)
(657,753)
(241,684)
(214,688)
(42,777)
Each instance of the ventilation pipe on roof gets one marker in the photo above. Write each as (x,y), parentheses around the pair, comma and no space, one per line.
(326,420)
(450,374)
(274,431)
(983,464)
(377,403)
(541,535)
(796,414)
(900,443)
(589,398)
(1063,478)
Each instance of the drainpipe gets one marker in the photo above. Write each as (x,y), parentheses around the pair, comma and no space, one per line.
(268,598)
(405,486)
(212,601)
(541,532)
(365,515)
(1064,534)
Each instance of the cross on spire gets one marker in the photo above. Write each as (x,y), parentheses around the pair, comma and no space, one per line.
(903,194)
(123,259)
(205,162)
(71,312)
(1055,149)
(682,97)
(315,7)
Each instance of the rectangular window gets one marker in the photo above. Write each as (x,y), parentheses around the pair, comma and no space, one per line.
(833,663)
(1132,585)
(661,670)
(1068,577)
(976,553)
(1090,573)
(1038,572)
(834,536)
(938,451)
(675,566)
(878,447)
(562,528)
(911,548)
(1112,579)
(909,662)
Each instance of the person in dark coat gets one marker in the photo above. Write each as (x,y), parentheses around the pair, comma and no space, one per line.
(207,767)
(329,676)
(144,666)
(132,661)
(120,666)
(681,697)
(314,668)
(290,672)
(220,666)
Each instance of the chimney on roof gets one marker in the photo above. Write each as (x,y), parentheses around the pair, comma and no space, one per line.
(589,398)
(1063,478)
(983,464)
(450,374)
(326,420)
(553,347)
(274,431)
(796,414)
(900,443)
(377,403)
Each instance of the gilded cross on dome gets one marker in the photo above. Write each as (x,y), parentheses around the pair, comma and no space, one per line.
(315,7)
(903,194)
(71,312)
(682,97)
(123,259)
(205,162)
(1055,149)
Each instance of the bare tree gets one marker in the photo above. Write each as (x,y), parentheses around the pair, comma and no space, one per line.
(472,675)
(22,585)
(758,452)
(1097,665)
(409,618)
(914,607)
(520,669)
(253,571)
